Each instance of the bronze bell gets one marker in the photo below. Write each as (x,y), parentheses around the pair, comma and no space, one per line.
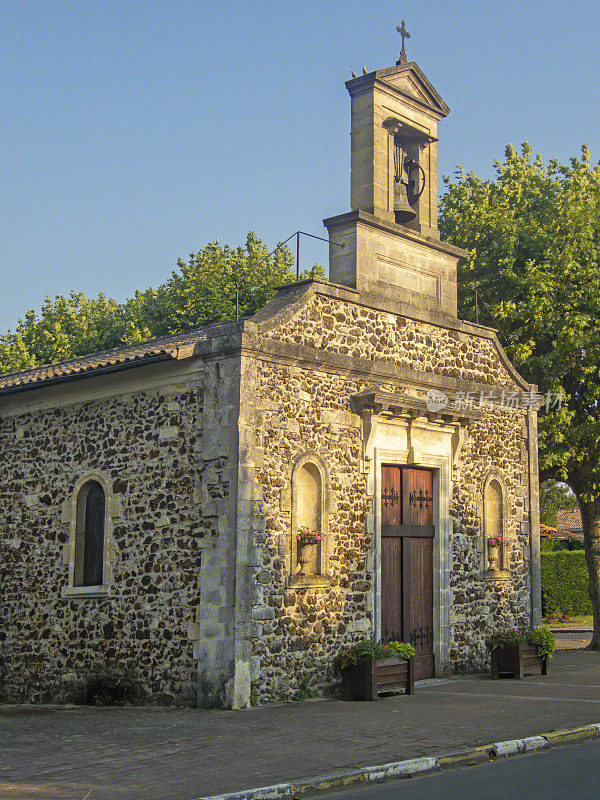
(402,210)
(402,181)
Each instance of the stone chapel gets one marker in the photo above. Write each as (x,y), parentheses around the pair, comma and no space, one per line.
(151,496)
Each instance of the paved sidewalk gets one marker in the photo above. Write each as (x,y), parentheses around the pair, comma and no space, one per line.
(166,754)
(569,640)
(574,637)
(571,627)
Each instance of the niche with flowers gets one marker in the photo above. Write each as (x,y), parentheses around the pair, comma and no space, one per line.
(309,548)
(495,550)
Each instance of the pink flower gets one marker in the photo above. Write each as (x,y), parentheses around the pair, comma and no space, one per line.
(306,536)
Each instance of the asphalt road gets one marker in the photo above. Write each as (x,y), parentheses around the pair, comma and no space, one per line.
(571,771)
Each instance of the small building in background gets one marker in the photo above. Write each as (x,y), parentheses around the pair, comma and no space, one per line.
(568,523)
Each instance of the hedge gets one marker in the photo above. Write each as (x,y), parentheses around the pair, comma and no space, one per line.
(565,583)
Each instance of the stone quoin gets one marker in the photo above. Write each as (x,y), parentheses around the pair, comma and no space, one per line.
(151,496)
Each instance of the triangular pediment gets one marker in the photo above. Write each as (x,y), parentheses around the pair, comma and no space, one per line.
(412,82)
(407,84)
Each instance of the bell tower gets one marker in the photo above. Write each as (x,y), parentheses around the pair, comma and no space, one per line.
(393,167)
(391,237)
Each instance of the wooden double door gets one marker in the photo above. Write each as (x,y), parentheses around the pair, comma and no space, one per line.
(407,534)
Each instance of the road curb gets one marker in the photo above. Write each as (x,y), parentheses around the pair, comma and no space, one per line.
(573,735)
(396,770)
(467,758)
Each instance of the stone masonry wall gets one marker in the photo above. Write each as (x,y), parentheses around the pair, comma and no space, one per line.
(498,444)
(346,328)
(171,456)
(299,630)
(148,444)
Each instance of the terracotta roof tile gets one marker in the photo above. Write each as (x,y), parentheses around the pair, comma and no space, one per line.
(93,362)
(569,519)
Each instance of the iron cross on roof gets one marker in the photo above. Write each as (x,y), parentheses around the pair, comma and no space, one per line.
(405,35)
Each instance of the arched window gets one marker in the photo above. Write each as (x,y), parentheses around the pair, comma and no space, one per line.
(89,535)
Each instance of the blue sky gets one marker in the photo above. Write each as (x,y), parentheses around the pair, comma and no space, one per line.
(135,132)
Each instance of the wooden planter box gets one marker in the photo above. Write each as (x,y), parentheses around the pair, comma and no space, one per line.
(517,661)
(369,678)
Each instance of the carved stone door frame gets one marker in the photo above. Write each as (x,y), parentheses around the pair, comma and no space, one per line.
(419,445)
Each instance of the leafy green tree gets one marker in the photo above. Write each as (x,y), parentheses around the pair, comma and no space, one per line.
(202,290)
(64,328)
(533,235)
(14,355)
(554,495)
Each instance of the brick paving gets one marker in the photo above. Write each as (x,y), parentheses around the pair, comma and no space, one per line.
(168,754)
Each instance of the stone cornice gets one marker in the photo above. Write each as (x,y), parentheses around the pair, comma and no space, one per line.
(373,221)
(435,106)
(399,404)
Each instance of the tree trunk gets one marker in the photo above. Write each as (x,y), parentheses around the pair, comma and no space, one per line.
(590,518)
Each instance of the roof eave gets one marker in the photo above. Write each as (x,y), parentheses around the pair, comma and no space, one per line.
(77,376)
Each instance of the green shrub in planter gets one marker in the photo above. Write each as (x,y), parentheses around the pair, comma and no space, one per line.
(520,651)
(370,668)
(542,639)
(370,648)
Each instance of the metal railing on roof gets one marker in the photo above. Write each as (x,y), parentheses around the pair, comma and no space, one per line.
(297,234)
(480,304)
